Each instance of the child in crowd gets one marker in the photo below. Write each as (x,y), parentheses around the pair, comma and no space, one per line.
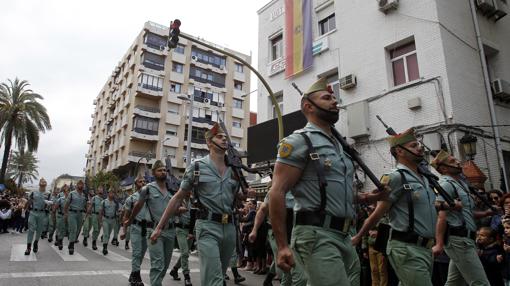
(491,255)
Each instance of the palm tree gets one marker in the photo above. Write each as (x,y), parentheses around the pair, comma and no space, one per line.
(22,167)
(22,117)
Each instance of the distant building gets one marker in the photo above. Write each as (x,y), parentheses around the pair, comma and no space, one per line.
(65,179)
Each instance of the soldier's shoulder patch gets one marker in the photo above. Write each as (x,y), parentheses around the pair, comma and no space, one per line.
(385,179)
(285,149)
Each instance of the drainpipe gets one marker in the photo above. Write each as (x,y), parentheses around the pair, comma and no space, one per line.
(488,93)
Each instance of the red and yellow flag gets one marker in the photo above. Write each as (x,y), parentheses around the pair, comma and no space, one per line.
(298,36)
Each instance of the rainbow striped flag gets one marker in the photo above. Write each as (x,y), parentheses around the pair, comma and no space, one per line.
(298,36)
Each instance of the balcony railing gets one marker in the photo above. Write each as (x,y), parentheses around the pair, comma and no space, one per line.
(147,108)
(213,83)
(153,65)
(150,155)
(145,131)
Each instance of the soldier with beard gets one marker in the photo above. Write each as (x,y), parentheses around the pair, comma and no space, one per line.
(74,211)
(459,226)
(155,197)
(313,165)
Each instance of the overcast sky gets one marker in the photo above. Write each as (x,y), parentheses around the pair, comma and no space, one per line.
(66,49)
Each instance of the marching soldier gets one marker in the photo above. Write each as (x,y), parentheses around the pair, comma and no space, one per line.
(87,222)
(126,235)
(76,206)
(38,200)
(155,197)
(215,187)
(52,216)
(138,232)
(60,221)
(95,218)
(458,226)
(312,164)
(108,215)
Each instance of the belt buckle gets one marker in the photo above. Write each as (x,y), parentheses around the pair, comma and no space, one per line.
(224,218)
(314,156)
(430,243)
(407,187)
(196,173)
(347,225)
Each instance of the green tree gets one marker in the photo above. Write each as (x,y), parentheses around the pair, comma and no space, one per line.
(22,117)
(22,167)
(107,180)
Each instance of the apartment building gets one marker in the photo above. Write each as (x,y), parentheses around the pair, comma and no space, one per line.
(141,112)
(415,63)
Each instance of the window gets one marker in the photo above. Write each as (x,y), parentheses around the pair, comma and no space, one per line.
(334,82)
(404,63)
(208,58)
(173,108)
(179,49)
(171,130)
(150,82)
(276,47)
(238,85)
(236,143)
(153,61)
(327,25)
(197,134)
(237,103)
(207,76)
(175,87)
(239,67)
(155,41)
(279,100)
(236,123)
(146,125)
(177,67)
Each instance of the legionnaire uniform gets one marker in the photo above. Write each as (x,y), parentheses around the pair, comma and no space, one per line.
(109,210)
(138,235)
(37,219)
(121,217)
(412,217)
(118,222)
(60,222)
(95,208)
(215,230)
(52,217)
(77,208)
(465,266)
(87,225)
(161,251)
(182,230)
(46,217)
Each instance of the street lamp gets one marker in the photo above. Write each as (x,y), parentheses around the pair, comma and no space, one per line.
(468,142)
(190,125)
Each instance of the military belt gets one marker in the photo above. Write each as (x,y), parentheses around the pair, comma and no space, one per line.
(181,225)
(110,217)
(221,218)
(152,225)
(412,237)
(462,232)
(140,222)
(76,211)
(38,210)
(95,212)
(315,218)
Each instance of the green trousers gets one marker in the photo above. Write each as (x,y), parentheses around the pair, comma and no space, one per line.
(295,277)
(51,224)
(215,242)
(35,225)
(412,263)
(61,226)
(465,266)
(75,221)
(139,245)
(45,222)
(109,225)
(116,228)
(184,245)
(87,225)
(96,227)
(327,256)
(128,233)
(160,253)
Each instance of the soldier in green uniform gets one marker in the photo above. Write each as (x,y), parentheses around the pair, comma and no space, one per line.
(76,206)
(138,232)
(215,188)
(52,216)
(155,197)
(108,214)
(458,226)
(412,213)
(95,218)
(124,215)
(87,221)
(60,222)
(184,234)
(312,164)
(118,221)
(37,201)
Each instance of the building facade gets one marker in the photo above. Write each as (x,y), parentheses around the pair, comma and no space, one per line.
(141,113)
(415,63)
(65,179)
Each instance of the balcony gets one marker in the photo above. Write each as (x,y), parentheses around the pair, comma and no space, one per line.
(239,76)
(149,90)
(154,65)
(155,48)
(136,156)
(196,143)
(147,111)
(144,134)
(172,118)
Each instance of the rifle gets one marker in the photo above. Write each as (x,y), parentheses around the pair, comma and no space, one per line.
(475,193)
(351,151)
(424,170)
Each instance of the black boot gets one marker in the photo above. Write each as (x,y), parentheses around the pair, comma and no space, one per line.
(237,277)
(56,240)
(269,279)
(85,242)
(29,248)
(130,280)
(71,248)
(127,245)
(137,279)
(44,234)
(94,245)
(36,246)
(105,248)
(187,280)
(50,238)
(175,274)
(60,244)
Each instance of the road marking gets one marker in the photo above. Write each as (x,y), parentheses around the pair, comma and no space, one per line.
(18,253)
(115,257)
(64,254)
(124,273)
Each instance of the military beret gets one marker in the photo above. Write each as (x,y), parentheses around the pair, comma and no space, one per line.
(213,131)
(158,164)
(320,85)
(440,158)
(402,138)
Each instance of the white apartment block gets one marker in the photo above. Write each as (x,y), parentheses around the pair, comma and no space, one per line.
(139,117)
(416,63)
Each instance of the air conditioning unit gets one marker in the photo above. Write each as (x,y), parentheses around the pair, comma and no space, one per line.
(206,100)
(486,6)
(348,81)
(501,89)
(387,5)
(500,10)
(194,58)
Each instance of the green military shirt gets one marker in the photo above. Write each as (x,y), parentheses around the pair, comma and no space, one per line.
(425,215)
(53,198)
(130,204)
(38,200)
(456,218)
(109,208)
(155,201)
(215,192)
(338,170)
(185,217)
(95,204)
(78,202)
(289,202)
(61,201)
